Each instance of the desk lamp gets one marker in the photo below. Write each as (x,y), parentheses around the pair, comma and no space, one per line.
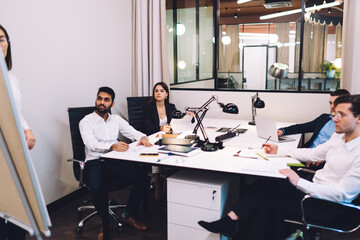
(199,113)
(256,102)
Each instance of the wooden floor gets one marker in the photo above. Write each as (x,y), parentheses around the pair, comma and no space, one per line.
(64,221)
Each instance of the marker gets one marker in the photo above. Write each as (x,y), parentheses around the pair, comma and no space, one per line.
(265,142)
(262,157)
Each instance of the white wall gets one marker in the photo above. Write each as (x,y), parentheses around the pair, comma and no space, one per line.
(63,51)
(283,107)
(351,48)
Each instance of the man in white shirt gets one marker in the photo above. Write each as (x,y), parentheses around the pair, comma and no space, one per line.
(99,131)
(338,181)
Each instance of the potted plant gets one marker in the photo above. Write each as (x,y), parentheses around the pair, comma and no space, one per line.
(330,70)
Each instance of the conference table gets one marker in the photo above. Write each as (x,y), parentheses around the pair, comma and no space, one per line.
(250,161)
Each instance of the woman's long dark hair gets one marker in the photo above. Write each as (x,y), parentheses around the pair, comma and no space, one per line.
(165,87)
(8,58)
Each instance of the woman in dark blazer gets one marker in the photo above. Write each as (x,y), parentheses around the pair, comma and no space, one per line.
(157,112)
(157,117)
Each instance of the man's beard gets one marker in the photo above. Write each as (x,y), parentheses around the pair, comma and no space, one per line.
(105,110)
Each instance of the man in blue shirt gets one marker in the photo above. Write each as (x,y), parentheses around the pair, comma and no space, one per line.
(322,127)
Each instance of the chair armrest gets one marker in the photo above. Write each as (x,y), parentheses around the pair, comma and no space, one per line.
(81,170)
(320,213)
(74,160)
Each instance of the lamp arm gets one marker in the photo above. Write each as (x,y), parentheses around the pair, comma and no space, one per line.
(203,107)
(199,123)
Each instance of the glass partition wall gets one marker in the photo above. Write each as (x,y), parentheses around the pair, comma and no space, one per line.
(191,43)
(206,55)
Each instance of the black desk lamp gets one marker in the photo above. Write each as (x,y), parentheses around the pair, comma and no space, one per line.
(256,102)
(199,113)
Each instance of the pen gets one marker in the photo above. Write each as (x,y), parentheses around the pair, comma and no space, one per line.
(262,157)
(168,155)
(245,157)
(265,142)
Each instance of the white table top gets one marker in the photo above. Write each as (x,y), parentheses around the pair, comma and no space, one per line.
(221,160)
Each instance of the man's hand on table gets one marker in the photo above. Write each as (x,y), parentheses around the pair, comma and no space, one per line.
(144,141)
(291,175)
(120,147)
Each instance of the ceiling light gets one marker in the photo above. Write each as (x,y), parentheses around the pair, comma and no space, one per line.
(242,1)
(180,29)
(182,64)
(235,15)
(309,9)
(226,40)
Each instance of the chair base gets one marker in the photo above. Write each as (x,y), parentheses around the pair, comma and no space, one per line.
(81,224)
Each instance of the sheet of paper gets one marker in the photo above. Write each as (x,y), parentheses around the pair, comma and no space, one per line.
(181,125)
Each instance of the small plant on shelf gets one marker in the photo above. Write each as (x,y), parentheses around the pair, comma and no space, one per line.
(330,70)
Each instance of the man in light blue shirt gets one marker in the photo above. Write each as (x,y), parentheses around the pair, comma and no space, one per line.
(322,127)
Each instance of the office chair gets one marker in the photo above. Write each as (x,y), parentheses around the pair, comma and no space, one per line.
(320,214)
(75,115)
(135,112)
(136,120)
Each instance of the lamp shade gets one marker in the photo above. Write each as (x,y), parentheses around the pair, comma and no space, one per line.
(259,103)
(177,114)
(229,108)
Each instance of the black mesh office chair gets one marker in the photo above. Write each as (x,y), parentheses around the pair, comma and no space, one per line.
(75,115)
(320,214)
(135,112)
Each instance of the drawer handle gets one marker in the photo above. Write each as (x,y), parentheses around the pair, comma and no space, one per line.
(213,197)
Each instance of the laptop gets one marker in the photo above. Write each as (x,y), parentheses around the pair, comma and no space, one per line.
(266,128)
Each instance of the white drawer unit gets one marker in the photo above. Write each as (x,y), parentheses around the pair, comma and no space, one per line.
(193,196)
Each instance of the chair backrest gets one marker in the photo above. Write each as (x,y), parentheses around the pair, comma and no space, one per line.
(75,115)
(135,112)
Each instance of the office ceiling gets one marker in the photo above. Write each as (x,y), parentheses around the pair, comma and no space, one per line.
(233,13)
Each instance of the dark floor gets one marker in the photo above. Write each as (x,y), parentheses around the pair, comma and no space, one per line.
(64,221)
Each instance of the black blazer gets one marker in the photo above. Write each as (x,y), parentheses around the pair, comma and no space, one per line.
(314,126)
(151,116)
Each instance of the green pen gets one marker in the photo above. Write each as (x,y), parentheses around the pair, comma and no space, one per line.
(262,157)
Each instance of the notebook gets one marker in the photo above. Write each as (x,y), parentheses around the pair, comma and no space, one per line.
(266,128)
(177,141)
(179,150)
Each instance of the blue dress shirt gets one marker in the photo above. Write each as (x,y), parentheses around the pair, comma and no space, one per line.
(325,134)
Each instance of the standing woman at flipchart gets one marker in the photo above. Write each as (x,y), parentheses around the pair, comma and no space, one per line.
(7,229)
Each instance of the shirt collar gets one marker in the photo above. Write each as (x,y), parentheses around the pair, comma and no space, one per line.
(352,144)
(100,119)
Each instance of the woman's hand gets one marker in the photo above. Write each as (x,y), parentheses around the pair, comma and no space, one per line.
(30,139)
(166,128)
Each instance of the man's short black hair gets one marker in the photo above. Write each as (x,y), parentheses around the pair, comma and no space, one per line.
(353,99)
(339,92)
(107,90)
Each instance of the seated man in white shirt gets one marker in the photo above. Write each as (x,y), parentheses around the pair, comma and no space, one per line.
(338,181)
(99,131)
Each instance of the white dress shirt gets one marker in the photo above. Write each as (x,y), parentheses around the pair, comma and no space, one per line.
(339,180)
(98,135)
(14,84)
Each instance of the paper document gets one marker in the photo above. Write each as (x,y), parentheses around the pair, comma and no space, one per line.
(181,125)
